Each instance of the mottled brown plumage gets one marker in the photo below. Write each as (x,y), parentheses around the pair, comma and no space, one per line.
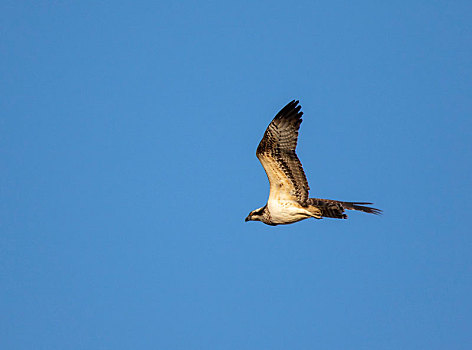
(288,199)
(279,143)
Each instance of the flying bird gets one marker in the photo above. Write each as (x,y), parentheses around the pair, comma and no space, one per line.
(288,198)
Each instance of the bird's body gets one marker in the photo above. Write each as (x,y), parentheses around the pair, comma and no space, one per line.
(288,212)
(288,199)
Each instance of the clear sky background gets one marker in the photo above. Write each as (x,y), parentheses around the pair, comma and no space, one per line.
(128,138)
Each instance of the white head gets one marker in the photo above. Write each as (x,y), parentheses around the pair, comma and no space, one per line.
(256,215)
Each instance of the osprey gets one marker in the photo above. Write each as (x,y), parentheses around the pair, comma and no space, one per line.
(288,198)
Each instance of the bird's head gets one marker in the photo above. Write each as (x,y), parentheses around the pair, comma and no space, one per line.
(255,215)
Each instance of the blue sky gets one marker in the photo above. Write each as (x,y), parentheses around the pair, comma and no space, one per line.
(128,162)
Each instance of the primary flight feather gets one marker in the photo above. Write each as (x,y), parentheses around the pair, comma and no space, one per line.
(288,198)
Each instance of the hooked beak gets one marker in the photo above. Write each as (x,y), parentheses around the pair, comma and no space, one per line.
(248,218)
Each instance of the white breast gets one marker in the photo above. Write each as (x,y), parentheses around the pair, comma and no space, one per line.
(286,211)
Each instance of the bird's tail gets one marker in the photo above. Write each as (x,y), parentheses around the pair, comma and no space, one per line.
(335,209)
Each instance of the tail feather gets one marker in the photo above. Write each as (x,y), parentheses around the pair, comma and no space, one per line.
(335,209)
(359,206)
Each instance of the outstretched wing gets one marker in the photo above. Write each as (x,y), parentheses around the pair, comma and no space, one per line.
(276,152)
